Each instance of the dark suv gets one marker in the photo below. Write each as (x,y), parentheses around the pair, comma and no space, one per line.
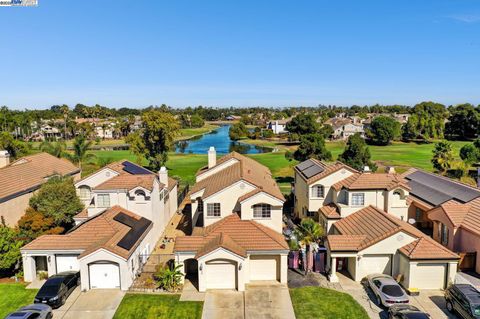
(464,300)
(57,288)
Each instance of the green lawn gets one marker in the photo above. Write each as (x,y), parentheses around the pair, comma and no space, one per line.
(14,296)
(322,303)
(186,133)
(140,306)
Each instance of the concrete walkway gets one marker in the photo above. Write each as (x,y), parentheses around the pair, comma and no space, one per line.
(262,300)
(190,292)
(36,284)
(93,304)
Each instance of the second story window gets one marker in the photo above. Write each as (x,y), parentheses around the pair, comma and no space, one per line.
(84,192)
(358,199)
(262,211)
(318,191)
(103,200)
(213,210)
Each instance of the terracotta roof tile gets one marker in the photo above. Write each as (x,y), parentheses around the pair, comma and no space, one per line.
(101,231)
(372,181)
(245,169)
(345,242)
(329,211)
(425,248)
(29,172)
(128,182)
(455,211)
(237,234)
(220,240)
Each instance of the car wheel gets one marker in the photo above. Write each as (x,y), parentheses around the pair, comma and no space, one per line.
(449,306)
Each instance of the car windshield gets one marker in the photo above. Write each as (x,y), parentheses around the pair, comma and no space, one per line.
(50,287)
(416,316)
(392,290)
(476,311)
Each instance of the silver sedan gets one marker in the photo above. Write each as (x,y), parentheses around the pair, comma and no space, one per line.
(386,290)
(37,311)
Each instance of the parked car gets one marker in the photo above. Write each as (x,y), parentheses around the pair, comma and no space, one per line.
(35,311)
(57,288)
(386,290)
(464,300)
(406,312)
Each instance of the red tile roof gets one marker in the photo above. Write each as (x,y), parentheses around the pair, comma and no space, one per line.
(372,181)
(233,234)
(329,211)
(424,248)
(28,173)
(101,231)
(128,182)
(327,169)
(455,211)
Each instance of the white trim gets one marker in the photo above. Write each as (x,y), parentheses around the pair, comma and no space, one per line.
(82,181)
(107,251)
(220,248)
(262,192)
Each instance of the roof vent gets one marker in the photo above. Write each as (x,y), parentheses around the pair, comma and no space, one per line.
(4,159)
(366,169)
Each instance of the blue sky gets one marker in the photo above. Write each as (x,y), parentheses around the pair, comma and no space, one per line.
(240,53)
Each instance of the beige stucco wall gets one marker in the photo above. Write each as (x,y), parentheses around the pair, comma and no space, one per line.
(11,211)
(469,242)
(439,218)
(227,198)
(275,222)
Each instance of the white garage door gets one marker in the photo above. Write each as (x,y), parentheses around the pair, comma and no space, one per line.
(263,267)
(376,264)
(428,276)
(104,276)
(67,263)
(221,275)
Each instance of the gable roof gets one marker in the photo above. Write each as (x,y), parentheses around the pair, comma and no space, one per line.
(101,231)
(30,172)
(313,170)
(245,169)
(330,211)
(371,181)
(424,248)
(234,234)
(376,225)
(128,182)
(453,210)
(436,189)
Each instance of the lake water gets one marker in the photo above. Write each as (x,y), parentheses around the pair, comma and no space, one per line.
(220,140)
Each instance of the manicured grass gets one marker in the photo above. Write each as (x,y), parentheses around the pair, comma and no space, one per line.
(322,303)
(140,306)
(14,296)
(186,133)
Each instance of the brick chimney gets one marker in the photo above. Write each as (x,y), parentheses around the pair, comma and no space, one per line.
(212,157)
(163,176)
(4,159)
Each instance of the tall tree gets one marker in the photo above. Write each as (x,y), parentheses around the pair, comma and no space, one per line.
(303,124)
(238,131)
(442,156)
(383,130)
(80,150)
(14,147)
(312,146)
(426,122)
(9,249)
(464,122)
(57,149)
(357,153)
(159,132)
(308,232)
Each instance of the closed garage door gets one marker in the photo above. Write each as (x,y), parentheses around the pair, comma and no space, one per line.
(428,276)
(104,276)
(221,275)
(376,264)
(264,267)
(67,263)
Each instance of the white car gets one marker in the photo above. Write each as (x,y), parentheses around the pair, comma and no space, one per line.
(386,290)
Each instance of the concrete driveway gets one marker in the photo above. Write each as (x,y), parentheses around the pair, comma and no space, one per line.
(262,300)
(93,304)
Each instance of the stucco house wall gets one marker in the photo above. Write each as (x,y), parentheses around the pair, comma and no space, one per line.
(275,222)
(469,242)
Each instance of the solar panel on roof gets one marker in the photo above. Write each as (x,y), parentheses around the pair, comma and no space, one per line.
(312,171)
(304,165)
(138,227)
(436,189)
(134,169)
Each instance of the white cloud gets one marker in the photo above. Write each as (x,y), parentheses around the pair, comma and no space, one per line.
(466,18)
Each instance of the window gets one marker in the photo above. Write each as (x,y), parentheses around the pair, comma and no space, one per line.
(310,214)
(418,214)
(200,205)
(161,194)
(358,199)
(213,210)
(444,234)
(140,195)
(318,191)
(84,192)
(103,200)
(262,211)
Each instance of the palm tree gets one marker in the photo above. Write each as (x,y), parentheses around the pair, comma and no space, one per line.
(308,232)
(80,149)
(57,149)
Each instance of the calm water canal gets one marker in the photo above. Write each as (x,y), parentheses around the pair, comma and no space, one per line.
(220,140)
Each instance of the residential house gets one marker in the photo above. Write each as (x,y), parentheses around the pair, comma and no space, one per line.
(127,209)
(237,210)
(365,218)
(449,211)
(20,179)
(343,128)
(278,126)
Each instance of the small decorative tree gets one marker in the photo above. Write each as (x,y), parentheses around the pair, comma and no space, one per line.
(308,232)
(169,278)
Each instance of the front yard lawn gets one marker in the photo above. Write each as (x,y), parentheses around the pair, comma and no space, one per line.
(14,296)
(322,303)
(144,306)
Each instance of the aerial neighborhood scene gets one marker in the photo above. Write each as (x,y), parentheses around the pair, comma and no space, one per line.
(253,159)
